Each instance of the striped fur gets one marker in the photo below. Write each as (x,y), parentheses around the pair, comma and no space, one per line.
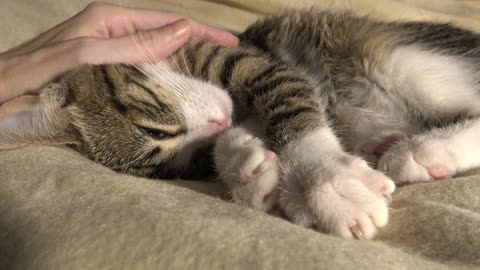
(294,70)
(324,87)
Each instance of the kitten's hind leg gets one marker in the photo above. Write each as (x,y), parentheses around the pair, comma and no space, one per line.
(248,168)
(435,155)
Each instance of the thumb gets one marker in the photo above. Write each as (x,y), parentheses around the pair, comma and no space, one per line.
(144,46)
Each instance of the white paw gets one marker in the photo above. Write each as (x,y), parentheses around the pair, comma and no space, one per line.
(250,170)
(345,197)
(418,160)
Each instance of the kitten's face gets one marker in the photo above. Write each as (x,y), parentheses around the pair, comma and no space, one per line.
(154,123)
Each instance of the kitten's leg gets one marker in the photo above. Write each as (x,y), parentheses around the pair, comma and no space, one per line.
(248,168)
(330,190)
(435,155)
(323,186)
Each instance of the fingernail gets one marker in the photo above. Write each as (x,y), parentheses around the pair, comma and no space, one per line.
(181,29)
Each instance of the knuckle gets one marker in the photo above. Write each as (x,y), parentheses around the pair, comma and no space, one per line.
(148,39)
(95,6)
(98,9)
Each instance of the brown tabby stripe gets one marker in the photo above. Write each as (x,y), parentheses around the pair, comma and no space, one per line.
(258,41)
(70,95)
(230,63)
(271,85)
(137,72)
(149,106)
(146,109)
(198,46)
(188,58)
(286,115)
(149,92)
(119,106)
(194,51)
(268,72)
(269,90)
(206,65)
(291,95)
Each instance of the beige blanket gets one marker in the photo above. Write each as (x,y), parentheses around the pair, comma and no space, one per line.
(58,210)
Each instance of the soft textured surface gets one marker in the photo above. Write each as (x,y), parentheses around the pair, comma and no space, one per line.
(58,210)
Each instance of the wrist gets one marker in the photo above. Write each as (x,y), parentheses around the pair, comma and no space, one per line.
(5,64)
(18,75)
(21,74)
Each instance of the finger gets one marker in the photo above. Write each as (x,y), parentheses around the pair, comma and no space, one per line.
(146,46)
(46,63)
(40,40)
(142,19)
(53,61)
(213,34)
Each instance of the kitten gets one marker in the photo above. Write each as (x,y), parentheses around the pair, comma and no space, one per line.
(296,116)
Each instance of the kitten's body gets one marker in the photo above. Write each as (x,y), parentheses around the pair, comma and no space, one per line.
(321,89)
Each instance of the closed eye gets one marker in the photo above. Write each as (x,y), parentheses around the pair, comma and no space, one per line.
(157,134)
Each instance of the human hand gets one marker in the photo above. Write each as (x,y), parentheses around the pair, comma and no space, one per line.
(99,34)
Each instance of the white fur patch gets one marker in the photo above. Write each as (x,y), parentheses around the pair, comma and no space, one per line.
(200,102)
(437,155)
(439,83)
(249,169)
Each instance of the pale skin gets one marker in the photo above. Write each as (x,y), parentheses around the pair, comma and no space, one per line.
(99,34)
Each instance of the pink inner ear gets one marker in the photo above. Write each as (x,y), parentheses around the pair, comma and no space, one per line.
(383,147)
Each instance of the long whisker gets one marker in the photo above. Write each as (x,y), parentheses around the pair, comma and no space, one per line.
(163,75)
(182,51)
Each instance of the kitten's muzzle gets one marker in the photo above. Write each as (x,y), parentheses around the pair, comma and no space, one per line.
(220,125)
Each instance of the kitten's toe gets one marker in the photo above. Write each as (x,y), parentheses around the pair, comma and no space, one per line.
(348,201)
(363,211)
(258,180)
(374,180)
(250,170)
(438,172)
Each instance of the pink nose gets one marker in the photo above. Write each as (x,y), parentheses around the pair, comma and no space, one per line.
(220,124)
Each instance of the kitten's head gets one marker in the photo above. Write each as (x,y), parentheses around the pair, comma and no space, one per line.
(147,121)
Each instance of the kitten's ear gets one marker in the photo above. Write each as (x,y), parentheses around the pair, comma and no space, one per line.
(42,122)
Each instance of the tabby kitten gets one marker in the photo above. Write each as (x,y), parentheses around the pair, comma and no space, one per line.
(295,116)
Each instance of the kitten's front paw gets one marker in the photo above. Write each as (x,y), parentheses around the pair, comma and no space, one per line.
(250,170)
(418,160)
(348,199)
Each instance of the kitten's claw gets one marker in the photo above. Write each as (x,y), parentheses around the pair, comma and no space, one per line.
(250,170)
(357,232)
(418,160)
(347,200)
